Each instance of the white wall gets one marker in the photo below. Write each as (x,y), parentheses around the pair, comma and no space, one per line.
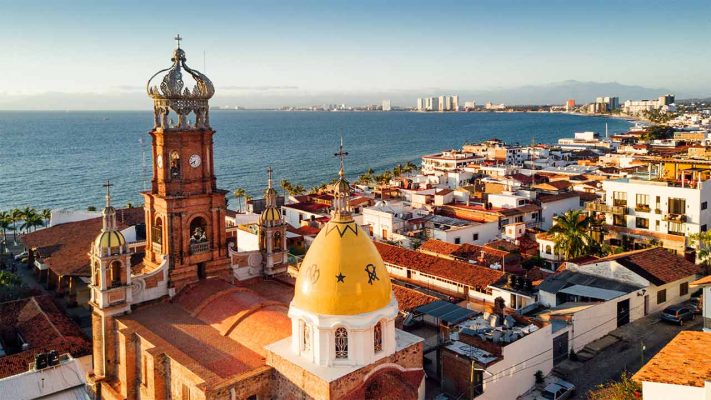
(600,319)
(548,210)
(487,232)
(665,391)
(514,375)
(247,241)
(673,296)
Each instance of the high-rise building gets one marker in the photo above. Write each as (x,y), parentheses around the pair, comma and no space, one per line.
(386,105)
(455,103)
(666,100)
(421,104)
(570,105)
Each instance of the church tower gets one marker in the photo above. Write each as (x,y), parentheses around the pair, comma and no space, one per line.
(110,288)
(185,211)
(272,233)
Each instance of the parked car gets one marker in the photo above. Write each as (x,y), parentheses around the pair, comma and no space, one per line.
(560,390)
(678,314)
(21,256)
(697,304)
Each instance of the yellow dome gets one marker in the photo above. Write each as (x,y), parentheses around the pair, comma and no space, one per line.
(110,239)
(270,214)
(342,273)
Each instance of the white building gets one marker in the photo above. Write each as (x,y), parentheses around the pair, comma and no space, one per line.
(446,161)
(557,204)
(387,106)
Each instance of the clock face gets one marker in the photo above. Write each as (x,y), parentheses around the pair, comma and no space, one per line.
(195,161)
(159,161)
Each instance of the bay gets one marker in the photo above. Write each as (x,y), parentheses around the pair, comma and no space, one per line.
(61,159)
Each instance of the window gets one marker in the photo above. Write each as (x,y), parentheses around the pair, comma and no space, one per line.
(677,206)
(475,236)
(549,250)
(115,273)
(656,225)
(341,344)
(277,245)
(676,228)
(661,296)
(157,231)
(306,338)
(505,221)
(619,220)
(144,372)
(378,337)
(684,289)
(642,200)
(519,218)
(619,198)
(457,240)
(703,228)
(185,392)
(174,164)
(642,223)
(704,205)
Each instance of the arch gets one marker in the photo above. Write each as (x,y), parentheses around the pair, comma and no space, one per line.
(276,241)
(95,274)
(340,344)
(157,231)
(198,230)
(390,383)
(174,164)
(116,270)
(378,337)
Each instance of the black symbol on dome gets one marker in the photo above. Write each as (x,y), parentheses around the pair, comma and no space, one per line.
(372,276)
(340,277)
(313,273)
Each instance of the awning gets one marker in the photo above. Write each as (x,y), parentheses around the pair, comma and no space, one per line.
(446,312)
(592,292)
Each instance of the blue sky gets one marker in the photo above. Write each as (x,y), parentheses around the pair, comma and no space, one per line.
(258,47)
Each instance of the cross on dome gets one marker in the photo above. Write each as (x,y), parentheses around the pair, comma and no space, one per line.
(341,155)
(108,185)
(269,174)
(178,39)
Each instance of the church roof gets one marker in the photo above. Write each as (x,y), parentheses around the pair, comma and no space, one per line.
(64,247)
(216,329)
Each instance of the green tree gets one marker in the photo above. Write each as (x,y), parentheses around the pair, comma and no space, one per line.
(286,186)
(239,195)
(47,214)
(9,279)
(658,132)
(625,389)
(702,243)
(571,234)
(297,190)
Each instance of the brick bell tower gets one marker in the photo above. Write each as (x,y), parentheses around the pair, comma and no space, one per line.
(185,211)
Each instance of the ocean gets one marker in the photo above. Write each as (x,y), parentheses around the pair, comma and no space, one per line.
(61,159)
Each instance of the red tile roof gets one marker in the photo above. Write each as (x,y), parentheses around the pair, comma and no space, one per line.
(409,299)
(685,360)
(64,247)
(438,247)
(657,265)
(43,326)
(557,197)
(472,275)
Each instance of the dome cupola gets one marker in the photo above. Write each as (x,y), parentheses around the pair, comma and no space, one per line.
(110,240)
(271,215)
(183,90)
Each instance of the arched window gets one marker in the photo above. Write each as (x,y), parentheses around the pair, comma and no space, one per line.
(115,270)
(174,164)
(95,274)
(306,337)
(157,231)
(276,245)
(378,337)
(549,250)
(341,343)
(199,242)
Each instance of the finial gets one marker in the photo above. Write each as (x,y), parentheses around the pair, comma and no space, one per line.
(178,39)
(269,174)
(108,185)
(342,155)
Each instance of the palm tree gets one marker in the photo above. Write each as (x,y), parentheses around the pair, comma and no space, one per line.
(297,190)
(398,170)
(5,224)
(410,166)
(16,215)
(702,242)
(47,214)
(239,195)
(571,234)
(286,185)
(32,221)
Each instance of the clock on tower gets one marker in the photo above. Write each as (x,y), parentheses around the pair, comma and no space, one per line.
(185,211)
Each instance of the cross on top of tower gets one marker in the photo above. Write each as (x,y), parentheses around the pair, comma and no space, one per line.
(108,185)
(269,174)
(342,155)
(178,39)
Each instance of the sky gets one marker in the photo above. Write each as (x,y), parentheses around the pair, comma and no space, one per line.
(265,52)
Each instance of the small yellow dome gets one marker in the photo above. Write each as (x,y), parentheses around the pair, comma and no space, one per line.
(270,214)
(342,273)
(110,239)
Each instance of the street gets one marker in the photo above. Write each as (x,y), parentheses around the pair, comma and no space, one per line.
(625,354)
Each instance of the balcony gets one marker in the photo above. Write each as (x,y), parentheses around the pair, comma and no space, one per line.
(604,208)
(642,208)
(199,248)
(672,217)
(157,247)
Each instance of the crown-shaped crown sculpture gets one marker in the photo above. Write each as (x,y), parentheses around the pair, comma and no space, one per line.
(171,92)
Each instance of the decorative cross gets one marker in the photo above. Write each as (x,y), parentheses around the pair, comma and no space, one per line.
(341,154)
(108,185)
(269,173)
(178,39)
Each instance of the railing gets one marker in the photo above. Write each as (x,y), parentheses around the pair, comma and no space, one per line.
(198,248)
(674,217)
(642,208)
(157,247)
(602,207)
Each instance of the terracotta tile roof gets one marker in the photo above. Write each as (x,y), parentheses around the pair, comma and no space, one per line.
(657,265)
(308,230)
(685,360)
(43,326)
(444,192)
(64,247)
(472,275)
(308,207)
(706,280)
(438,247)
(527,208)
(409,299)
(557,197)
(554,185)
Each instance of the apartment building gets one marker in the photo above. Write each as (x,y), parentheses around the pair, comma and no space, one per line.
(446,161)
